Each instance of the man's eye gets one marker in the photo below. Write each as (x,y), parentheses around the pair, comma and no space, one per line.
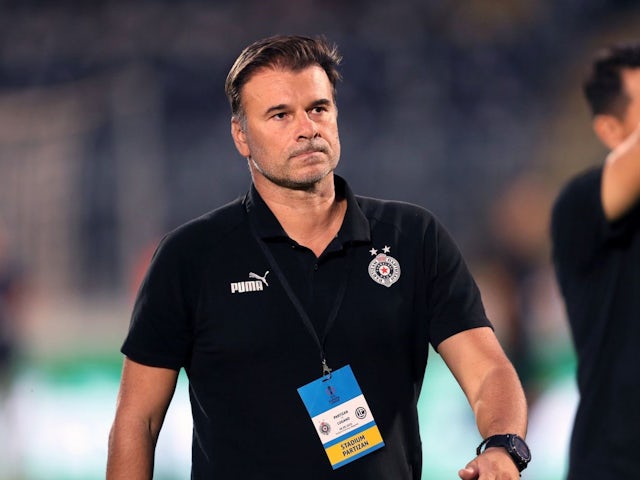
(280,115)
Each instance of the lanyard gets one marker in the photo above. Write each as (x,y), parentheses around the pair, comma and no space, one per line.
(304,316)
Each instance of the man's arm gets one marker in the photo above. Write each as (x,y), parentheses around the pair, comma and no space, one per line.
(145,394)
(621,177)
(494,392)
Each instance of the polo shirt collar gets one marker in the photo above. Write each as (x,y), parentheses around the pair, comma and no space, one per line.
(354,229)
(355,226)
(264,221)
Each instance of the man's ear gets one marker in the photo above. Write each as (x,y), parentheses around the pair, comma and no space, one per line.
(240,138)
(609,130)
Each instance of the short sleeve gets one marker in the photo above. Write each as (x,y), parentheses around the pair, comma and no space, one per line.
(160,332)
(455,301)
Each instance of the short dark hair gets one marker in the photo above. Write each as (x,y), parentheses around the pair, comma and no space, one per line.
(603,87)
(285,51)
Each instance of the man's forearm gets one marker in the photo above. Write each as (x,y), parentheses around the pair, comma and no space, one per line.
(131,453)
(501,406)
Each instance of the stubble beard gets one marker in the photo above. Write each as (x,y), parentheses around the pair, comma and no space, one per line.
(307,183)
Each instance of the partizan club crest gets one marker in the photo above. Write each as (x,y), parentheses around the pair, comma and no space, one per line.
(384,269)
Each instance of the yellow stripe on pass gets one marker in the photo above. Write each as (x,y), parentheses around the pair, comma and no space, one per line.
(351,446)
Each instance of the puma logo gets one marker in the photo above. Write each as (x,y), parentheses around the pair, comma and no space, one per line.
(258,277)
(255,285)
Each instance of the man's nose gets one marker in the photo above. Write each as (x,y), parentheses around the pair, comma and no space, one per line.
(307,128)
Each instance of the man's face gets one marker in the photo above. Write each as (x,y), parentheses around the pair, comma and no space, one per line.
(290,132)
(631,119)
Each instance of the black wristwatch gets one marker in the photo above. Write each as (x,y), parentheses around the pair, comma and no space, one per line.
(513,444)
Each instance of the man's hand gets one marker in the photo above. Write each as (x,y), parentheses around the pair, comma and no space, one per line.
(493,464)
(621,177)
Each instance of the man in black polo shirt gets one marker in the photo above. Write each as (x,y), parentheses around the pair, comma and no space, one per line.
(302,313)
(596,252)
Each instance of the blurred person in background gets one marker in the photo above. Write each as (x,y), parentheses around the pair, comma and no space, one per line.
(259,298)
(12,284)
(595,231)
(516,279)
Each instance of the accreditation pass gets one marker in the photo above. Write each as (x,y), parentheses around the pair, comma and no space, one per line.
(341,416)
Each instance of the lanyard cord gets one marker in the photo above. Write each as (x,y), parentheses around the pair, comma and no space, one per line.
(306,320)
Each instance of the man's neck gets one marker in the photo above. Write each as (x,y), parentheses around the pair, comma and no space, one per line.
(310,217)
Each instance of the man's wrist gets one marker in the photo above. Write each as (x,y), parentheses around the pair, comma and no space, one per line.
(514,444)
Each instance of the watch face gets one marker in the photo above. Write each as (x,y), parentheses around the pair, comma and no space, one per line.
(520,448)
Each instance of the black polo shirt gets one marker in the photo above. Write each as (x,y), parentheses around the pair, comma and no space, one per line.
(213,303)
(596,262)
